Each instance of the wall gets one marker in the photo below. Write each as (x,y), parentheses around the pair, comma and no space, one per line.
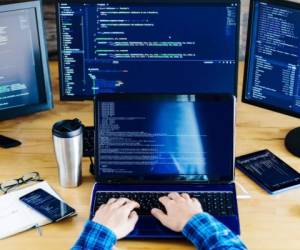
(50,23)
(51,26)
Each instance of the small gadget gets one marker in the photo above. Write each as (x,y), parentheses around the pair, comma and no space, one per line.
(268,171)
(48,205)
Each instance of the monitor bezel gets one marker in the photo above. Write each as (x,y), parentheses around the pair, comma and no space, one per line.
(249,45)
(163,179)
(45,84)
(64,97)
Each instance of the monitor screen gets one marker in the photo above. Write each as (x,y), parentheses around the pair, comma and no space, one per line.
(147,47)
(272,76)
(165,137)
(24,76)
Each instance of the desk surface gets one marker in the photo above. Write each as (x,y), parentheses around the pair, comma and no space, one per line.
(267,222)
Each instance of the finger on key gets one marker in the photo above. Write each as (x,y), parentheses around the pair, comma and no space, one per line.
(165,200)
(174,196)
(186,196)
(120,202)
(111,200)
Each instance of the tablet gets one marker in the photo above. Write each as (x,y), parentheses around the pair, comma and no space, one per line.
(268,171)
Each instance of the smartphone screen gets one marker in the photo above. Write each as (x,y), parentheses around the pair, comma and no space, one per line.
(47,205)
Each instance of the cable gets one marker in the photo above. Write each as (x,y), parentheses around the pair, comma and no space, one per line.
(246,194)
(92,166)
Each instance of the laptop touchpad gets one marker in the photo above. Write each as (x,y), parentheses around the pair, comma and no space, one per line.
(147,224)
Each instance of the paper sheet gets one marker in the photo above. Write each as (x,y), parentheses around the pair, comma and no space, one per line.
(15,216)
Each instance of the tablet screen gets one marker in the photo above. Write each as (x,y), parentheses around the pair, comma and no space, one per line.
(268,170)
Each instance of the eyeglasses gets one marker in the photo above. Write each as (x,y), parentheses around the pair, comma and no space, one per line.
(11,184)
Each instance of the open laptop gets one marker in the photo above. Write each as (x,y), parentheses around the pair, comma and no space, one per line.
(148,145)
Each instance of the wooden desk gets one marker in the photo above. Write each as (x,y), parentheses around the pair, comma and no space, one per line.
(267,222)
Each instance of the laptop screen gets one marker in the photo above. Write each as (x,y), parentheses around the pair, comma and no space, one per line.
(164,138)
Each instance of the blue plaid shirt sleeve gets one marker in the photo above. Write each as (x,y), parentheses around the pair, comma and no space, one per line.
(207,233)
(95,237)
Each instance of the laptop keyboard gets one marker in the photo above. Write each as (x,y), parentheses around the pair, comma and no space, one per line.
(215,203)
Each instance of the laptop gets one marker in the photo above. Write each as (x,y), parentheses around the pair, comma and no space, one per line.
(148,145)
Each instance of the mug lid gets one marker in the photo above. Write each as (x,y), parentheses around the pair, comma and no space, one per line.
(67,128)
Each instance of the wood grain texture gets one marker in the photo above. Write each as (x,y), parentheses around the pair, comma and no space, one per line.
(267,222)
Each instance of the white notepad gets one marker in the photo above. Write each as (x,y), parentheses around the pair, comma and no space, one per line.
(16,217)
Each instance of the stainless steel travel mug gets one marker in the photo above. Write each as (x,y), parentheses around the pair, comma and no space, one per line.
(68,142)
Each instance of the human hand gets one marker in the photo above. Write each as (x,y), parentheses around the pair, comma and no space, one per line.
(118,215)
(180,209)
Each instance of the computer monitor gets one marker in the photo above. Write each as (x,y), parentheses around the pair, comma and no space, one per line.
(24,75)
(147,46)
(272,75)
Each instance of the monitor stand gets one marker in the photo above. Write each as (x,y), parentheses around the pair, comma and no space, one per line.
(6,142)
(292,141)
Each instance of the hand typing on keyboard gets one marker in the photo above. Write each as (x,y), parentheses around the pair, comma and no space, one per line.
(174,212)
(180,209)
(117,218)
(118,215)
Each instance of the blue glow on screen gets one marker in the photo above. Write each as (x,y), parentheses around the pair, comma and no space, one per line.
(180,137)
(184,136)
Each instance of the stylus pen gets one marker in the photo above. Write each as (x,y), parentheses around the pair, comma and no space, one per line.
(39,229)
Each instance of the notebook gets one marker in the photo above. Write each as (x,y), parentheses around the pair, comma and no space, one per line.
(18,217)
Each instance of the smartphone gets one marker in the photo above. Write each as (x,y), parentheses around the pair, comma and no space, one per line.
(6,142)
(268,171)
(48,205)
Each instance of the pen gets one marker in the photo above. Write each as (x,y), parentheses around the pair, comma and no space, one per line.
(39,230)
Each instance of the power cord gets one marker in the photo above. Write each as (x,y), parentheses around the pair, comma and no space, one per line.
(92,166)
(245,195)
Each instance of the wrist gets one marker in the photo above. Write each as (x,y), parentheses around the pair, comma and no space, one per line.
(192,218)
(109,232)
(95,236)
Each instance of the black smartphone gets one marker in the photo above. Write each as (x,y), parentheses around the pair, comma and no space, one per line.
(6,142)
(48,205)
(268,171)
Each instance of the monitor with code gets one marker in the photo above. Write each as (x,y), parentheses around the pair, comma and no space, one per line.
(147,47)
(25,85)
(272,75)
